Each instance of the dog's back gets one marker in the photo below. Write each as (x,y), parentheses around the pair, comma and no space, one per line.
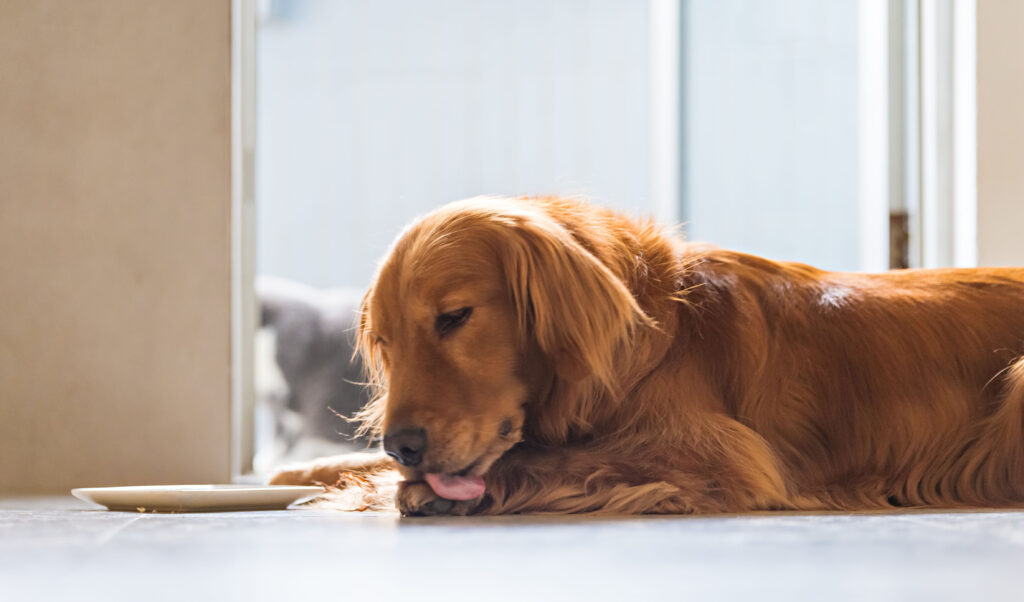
(905,387)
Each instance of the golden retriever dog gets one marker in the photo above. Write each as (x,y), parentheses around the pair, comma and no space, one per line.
(546,356)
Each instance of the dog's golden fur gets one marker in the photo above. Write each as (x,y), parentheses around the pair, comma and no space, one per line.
(635,373)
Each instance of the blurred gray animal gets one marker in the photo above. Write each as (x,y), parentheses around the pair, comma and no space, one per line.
(315,337)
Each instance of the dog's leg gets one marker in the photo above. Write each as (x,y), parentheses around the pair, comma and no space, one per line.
(732,470)
(325,471)
(990,471)
(568,480)
(588,481)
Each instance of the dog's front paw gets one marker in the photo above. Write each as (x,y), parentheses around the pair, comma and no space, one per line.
(416,498)
(299,475)
(326,471)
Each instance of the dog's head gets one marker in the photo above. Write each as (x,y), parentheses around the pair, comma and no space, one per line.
(477,309)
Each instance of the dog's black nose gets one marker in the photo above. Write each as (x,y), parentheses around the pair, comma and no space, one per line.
(406,445)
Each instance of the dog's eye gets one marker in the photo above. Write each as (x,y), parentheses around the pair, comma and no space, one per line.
(449,322)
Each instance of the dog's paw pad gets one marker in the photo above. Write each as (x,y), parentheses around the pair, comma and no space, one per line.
(418,499)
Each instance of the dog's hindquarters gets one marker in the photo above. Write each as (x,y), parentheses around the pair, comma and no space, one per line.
(990,469)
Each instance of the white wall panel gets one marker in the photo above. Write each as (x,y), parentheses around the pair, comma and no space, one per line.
(371,113)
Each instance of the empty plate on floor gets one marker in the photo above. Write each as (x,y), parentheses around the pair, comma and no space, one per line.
(196,498)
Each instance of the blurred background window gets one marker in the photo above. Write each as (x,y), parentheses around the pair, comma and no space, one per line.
(740,118)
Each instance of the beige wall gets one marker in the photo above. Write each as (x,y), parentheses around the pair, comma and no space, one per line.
(1000,132)
(114,242)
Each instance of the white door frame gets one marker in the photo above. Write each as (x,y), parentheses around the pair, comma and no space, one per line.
(243,232)
(937,133)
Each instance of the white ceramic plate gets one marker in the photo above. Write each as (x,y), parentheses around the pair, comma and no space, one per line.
(196,498)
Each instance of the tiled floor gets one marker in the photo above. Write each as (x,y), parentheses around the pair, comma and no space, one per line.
(59,549)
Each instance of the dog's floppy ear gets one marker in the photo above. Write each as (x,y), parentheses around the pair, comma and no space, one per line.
(576,308)
(371,416)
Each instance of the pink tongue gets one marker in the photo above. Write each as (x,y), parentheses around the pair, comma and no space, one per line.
(453,487)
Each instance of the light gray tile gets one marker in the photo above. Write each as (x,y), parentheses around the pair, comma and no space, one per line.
(60,549)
